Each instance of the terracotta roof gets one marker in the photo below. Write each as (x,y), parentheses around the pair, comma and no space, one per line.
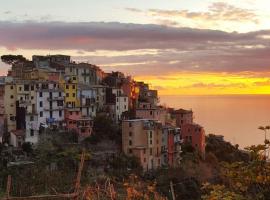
(18,132)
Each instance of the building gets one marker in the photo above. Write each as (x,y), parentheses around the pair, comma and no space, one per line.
(101,96)
(70,86)
(147,110)
(10,97)
(87,96)
(87,73)
(182,116)
(48,109)
(171,146)
(117,103)
(17,138)
(130,88)
(146,94)
(194,134)
(142,138)
(82,125)
(47,61)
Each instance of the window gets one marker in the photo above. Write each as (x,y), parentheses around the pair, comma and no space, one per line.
(60,94)
(125,99)
(41,114)
(144,160)
(20,88)
(51,114)
(77,112)
(32,97)
(130,142)
(31,132)
(130,124)
(26,87)
(130,134)
(151,112)
(125,107)
(144,151)
(130,151)
(74,78)
(67,94)
(40,94)
(117,108)
(60,113)
(73,86)
(151,152)
(40,104)
(150,142)
(73,94)
(67,87)
(11,87)
(60,103)
(150,134)
(117,99)
(11,96)
(70,112)
(31,118)
(70,69)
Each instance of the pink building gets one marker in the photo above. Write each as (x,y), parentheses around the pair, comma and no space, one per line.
(195,135)
(182,117)
(147,110)
(78,123)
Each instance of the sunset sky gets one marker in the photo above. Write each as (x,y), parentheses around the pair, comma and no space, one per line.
(193,47)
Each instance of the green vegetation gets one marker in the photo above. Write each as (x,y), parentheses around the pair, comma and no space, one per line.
(11,59)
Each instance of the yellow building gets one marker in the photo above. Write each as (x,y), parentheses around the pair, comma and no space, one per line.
(10,98)
(70,86)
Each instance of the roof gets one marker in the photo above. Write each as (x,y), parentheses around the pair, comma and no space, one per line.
(182,111)
(138,120)
(18,132)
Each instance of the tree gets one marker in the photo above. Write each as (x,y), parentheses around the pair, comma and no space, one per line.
(11,59)
(27,148)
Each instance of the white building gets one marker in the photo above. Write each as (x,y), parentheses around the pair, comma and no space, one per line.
(88,97)
(48,110)
(117,103)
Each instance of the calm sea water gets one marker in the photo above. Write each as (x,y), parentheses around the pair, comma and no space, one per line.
(237,117)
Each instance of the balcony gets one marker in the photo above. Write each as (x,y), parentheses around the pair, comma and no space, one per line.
(54,108)
(55,98)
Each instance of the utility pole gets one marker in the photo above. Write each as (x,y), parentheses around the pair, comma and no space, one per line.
(8,186)
(78,179)
(172,190)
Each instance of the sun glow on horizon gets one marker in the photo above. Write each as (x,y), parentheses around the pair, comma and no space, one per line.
(207,83)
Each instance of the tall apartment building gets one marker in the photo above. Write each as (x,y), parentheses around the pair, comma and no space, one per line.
(142,138)
(194,134)
(46,109)
(117,103)
(88,97)
(87,73)
(147,110)
(182,116)
(171,146)
(70,86)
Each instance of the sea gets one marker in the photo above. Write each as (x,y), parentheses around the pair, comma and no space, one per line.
(236,117)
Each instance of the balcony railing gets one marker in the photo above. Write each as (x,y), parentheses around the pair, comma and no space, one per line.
(55,98)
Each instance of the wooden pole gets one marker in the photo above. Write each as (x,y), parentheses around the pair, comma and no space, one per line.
(8,186)
(172,190)
(79,175)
